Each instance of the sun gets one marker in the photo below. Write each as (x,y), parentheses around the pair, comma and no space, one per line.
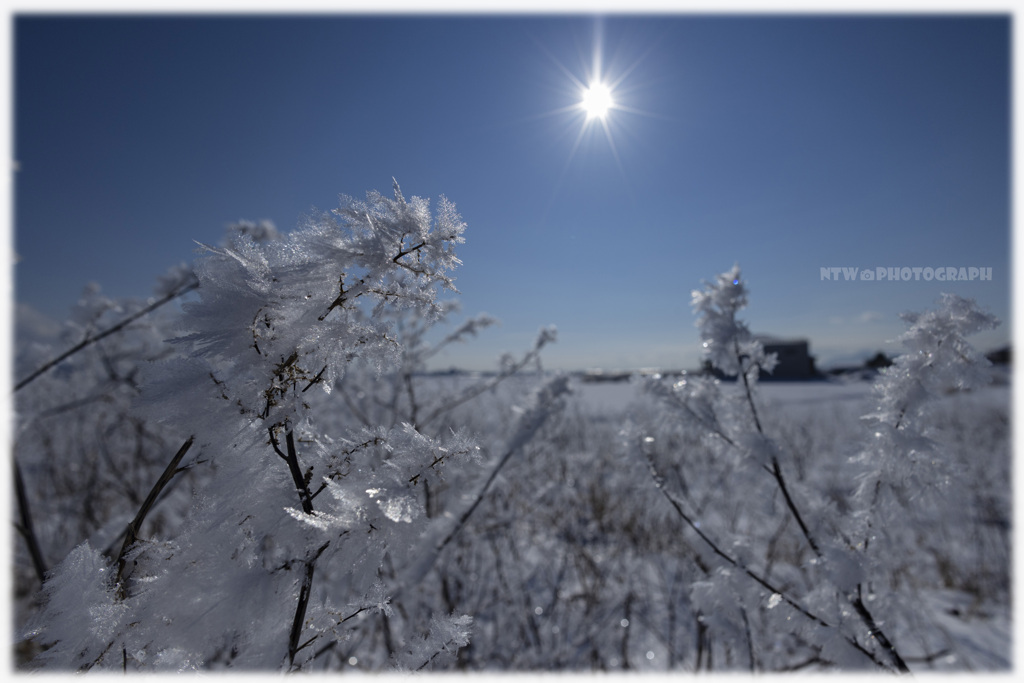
(597,101)
(597,97)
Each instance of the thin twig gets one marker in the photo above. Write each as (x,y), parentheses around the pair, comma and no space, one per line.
(479,497)
(473,392)
(92,339)
(750,641)
(876,632)
(776,472)
(109,549)
(659,482)
(776,469)
(300,608)
(855,601)
(315,379)
(131,534)
(25,526)
(746,384)
(305,590)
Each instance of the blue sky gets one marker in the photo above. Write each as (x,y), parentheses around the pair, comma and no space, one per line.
(785,143)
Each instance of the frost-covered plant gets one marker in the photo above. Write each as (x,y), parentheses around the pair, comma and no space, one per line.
(726,341)
(81,457)
(273,320)
(908,485)
(829,584)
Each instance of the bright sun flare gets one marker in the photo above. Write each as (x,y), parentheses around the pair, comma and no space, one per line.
(597,100)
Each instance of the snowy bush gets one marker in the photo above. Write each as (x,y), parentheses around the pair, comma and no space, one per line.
(83,459)
(779,557)
(274,319)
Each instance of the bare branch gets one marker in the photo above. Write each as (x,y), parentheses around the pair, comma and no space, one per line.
(131,535)
(25,525)
(92,339)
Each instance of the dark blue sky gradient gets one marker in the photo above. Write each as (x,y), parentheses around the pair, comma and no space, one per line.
(785,143)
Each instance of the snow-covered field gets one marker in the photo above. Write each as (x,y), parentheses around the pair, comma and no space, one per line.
(595,547)
(615,396)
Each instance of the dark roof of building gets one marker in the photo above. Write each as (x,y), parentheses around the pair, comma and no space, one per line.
(778,341)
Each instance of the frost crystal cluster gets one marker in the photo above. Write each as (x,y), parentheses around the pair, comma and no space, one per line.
(283,502)
(727,342)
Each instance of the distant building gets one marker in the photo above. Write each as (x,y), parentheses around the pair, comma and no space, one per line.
(599,375)
(794,358)
(878,361)
(1003,356)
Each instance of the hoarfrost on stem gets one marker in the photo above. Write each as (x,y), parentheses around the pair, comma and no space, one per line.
(726,341)
(274,317)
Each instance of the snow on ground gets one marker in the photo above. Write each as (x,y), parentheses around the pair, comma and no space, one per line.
(608,397)
(613,397)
